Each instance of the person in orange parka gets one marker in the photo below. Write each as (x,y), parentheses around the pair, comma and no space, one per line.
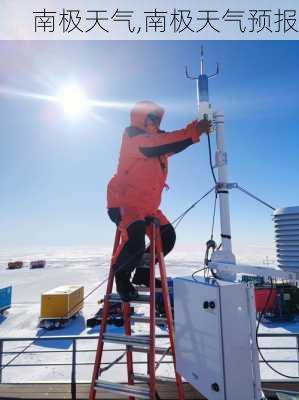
(134,192)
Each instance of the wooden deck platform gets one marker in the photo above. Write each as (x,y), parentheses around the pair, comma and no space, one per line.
(41,391)
(61,391)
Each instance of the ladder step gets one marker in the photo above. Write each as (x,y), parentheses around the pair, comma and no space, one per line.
(146,378)
(134,340)
(142,298)
(159,321)
(158,350)
(123,389)
(145,289)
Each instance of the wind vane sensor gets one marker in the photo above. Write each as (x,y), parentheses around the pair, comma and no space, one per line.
(204,107)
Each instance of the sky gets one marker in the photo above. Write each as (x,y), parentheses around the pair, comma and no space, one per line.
(54,170)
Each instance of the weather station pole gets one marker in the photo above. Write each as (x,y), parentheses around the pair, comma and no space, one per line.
(205,111)
(225,254)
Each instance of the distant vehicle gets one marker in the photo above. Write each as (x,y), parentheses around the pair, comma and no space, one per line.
(5,298)
(60,305)
(38,264)
(15,265)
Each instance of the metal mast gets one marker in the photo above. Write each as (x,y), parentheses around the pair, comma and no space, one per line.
(205,111)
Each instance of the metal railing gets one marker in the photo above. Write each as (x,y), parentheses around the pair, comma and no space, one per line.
(74,351)
(272,348)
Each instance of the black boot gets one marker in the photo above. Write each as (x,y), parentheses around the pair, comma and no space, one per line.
(142,272)
(124,287)
(142,278)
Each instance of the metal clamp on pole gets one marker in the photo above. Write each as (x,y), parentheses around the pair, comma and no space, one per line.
(222,186)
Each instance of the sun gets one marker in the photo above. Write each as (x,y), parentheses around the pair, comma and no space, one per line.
(73,101)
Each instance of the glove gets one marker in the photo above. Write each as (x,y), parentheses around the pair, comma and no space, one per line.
(196,128)
(204,126)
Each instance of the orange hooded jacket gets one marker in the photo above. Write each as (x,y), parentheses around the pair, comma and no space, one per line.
(142,167)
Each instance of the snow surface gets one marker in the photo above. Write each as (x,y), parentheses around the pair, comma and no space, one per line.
(88,267)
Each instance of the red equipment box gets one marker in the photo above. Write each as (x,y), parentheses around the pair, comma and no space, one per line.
(261,299)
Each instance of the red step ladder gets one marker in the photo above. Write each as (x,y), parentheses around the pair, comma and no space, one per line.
(137,343)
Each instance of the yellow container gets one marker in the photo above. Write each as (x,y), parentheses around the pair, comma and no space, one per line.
(62,302)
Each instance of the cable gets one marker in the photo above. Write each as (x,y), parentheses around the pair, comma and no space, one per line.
(214,214)
(210,159)
(255,197)
(113,362)
(211,244)
(197,271)
(162,358)
(178,220)
(256,338)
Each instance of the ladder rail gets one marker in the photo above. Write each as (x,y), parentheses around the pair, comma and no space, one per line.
(100,345)
(128,331)
(152,353)
(169,318)
(156,257)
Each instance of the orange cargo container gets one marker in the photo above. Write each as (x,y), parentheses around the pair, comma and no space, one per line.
(62,302)
(15,265)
